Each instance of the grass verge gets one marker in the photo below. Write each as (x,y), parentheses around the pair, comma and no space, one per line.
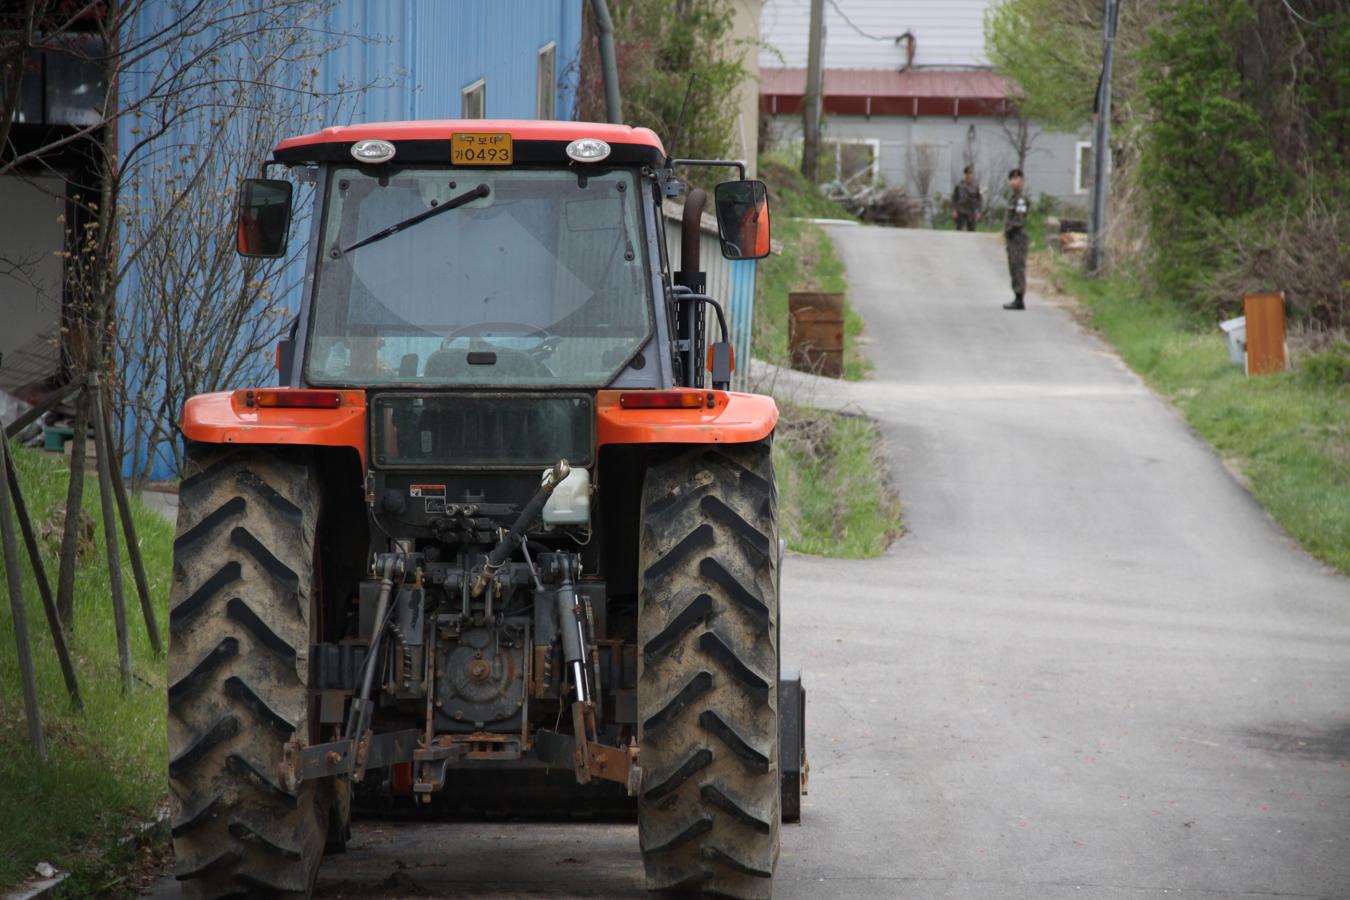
(808,263)
(106,764)
(833,497)
(1288,435)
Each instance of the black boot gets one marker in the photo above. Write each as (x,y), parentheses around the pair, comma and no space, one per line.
(1016,304)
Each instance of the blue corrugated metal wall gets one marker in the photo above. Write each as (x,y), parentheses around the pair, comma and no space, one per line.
(432,49)
(420,55)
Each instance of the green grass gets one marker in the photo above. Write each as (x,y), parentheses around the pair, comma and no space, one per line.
(831,500)
(1288,434)
(808,263)
(106,765)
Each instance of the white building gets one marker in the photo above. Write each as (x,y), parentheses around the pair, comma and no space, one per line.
(910,98)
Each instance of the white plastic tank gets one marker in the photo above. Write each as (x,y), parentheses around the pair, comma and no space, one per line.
(570,502)
(1235,330)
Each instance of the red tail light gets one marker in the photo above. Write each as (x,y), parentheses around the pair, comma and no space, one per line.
(287,398)
(667,399)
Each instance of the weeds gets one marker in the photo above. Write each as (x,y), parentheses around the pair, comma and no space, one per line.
(808,263)
(834,497)
(106,764)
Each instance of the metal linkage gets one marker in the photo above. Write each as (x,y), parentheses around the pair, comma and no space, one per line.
(358,721)
(343,757)
(497,558)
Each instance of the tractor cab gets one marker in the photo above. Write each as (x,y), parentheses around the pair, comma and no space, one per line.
(553,251)
(502,533)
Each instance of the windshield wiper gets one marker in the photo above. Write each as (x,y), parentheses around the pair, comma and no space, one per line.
(453,203)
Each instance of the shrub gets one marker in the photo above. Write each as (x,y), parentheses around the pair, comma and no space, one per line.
(1330,369)
(1301,247)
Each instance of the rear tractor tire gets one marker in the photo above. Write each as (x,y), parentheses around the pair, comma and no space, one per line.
(709,809)
(239,621)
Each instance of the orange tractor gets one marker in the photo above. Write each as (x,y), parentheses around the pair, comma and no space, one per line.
(502,534)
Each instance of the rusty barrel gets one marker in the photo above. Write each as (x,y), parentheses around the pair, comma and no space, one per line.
(816,332)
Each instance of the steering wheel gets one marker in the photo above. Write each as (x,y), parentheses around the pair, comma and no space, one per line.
(529,363)
(478,329)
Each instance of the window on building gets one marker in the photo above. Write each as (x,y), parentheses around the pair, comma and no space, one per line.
(1082,167)
(473,102)
(63,84)
(546,83)
(854,162)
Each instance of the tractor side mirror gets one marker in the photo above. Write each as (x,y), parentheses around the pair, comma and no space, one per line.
(743,219)
(264,217)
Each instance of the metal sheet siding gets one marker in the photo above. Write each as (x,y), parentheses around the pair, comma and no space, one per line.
(425,52)
(420,54)
(949,33)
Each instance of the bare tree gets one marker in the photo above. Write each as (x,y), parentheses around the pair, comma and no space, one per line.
(199,318)
(1020,133)
(923,161)
(193,89)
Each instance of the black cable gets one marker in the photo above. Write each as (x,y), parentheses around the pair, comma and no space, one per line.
(849,22)
(375,520)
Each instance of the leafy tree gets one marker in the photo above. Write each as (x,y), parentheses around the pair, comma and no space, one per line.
(1244,152)
(679,73)
(1051,49)
(1231,135)
(1206,152)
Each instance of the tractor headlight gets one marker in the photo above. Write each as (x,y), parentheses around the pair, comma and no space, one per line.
(587,150)
(372,151)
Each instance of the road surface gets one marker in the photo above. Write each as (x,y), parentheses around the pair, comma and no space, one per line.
(1094,668)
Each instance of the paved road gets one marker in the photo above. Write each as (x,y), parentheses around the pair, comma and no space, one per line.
(1093,669)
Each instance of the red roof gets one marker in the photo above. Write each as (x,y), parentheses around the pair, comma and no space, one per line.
(886,92)
(441,129)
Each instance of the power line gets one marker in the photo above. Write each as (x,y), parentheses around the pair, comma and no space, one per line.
(849,23)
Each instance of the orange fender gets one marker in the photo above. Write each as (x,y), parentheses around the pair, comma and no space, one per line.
(723,417)
(234,418)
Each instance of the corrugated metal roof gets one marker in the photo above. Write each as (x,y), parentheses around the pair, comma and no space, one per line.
(888,83)
(887,92)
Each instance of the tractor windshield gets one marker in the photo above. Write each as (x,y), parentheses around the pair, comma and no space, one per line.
(534,277)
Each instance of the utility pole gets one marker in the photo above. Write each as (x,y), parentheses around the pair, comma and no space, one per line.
(811,101)
(1101,155)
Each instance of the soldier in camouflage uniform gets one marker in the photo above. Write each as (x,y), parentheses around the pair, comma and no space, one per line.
(1015,235)
(966,201)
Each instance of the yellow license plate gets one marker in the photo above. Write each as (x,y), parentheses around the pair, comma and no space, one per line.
(481,149)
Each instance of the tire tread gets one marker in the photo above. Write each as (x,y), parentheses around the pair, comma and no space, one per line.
(238,648)
(708,811)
